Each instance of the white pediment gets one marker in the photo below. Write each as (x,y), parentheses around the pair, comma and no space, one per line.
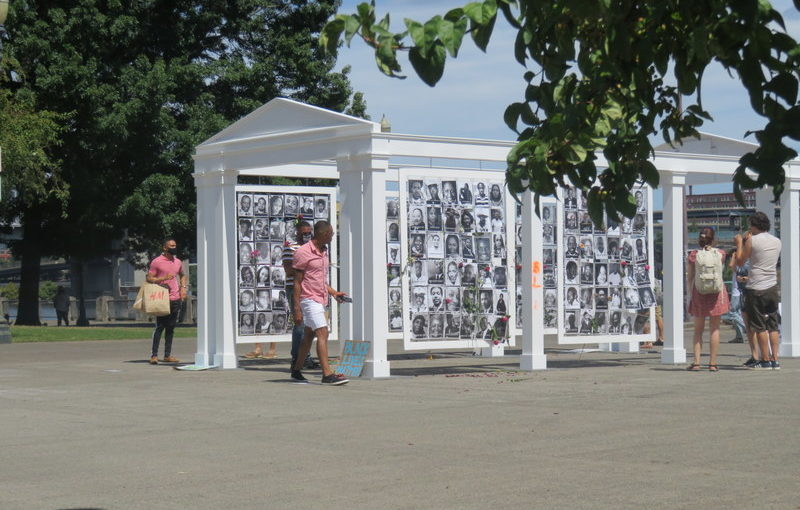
(710,144)
(282,115)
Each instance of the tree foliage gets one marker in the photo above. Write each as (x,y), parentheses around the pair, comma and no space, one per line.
(604,76)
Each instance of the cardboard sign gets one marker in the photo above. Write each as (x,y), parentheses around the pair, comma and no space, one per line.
(353,357)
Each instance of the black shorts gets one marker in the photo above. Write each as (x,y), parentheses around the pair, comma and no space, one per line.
(762,309)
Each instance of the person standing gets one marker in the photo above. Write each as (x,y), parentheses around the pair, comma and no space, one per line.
(303,231)
(705,268)
(167,271)
(311,297)
(61,304)
(735,312)
(762,297)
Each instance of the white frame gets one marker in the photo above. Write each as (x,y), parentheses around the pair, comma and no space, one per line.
(563,338)
(334,273)
(493,177)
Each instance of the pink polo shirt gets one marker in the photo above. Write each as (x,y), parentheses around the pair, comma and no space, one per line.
(314,264)
(162,266)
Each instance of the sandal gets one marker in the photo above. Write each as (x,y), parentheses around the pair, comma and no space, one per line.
(252,355)
(694,367)
(713,368)
(267,356)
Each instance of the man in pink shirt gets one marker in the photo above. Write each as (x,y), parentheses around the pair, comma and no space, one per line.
(165,271)
(311,296)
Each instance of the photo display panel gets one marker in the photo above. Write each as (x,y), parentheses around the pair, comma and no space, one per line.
(607,276)
(266,219)
(454,230)
(395,260)
(550,266)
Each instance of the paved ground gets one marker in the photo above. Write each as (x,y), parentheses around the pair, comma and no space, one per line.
(90,425)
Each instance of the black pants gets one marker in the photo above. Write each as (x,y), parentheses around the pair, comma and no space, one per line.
(166,324)
(62,316)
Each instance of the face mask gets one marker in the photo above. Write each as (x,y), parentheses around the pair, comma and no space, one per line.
(304,238)
(172,251)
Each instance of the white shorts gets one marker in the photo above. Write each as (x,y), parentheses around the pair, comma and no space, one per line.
(313,314)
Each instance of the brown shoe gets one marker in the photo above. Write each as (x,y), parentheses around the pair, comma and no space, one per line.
(170,359)
(153,360)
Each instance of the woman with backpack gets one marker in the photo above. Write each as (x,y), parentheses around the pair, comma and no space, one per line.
(709,298)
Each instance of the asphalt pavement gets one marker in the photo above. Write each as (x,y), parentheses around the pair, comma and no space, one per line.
(90,425)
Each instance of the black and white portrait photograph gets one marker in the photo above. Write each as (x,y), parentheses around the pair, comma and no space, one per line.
(627,324)
(433,194)
(467,327)
(434,218)
(276,254)
(277,230)
(452,246)
(550,318)
(600,274)
(419,326)
(262,253)
(261,229)
(280,323)
(469,274)
(548,214)
(639,224)
(278,276)
(600,253)
(495,195)
(587,319)
(570,322)
(321,207)
(646,298)
(641,202)
(550,298)
(501,303)
(571,273)
(498,224)
(571,221)
(452,300)
(612,226)
(395,298)
(571,300)
(572,248)
(498,246)
(393,253)
(245,230)
(263,321)
(246,326)
(614,274)
(453,327)
(260,204)
(416,245)
(601,298)
(548,256)
(485,276)
(451,219)
(483,249)
(307,206)
(393,275)
(484,329)
(436,271)
(416,219)
(587,297)
(263,300)
(587,248)
(482,224)
(436,298)
(587,273)
(419,273)
(582,203)
(449,193)
(585,224)
(392,208)
(600,323)
(613,248)
(246,301)
(640,322)
(465,193)
(627,225)
(395,319)
(485,301)
(419,299)
(452,274)
(615,298)
(631,298)
(262,276)
(615,322)
(416,195)
(245,205)
(435,245)
(467,221)
(570,199)
(392,231)
(642,275)
(549,234)
(481,194)
(276,205)
(500,278)
(639,249)
(246,277)
(245,253)
(549,278)
(291,206)
(626,250)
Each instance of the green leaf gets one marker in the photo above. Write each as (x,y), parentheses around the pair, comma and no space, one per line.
(329,38)
(785,86)
(416,31)
(431,67)
(482,33)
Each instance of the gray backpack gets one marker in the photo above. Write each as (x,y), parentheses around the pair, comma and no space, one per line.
(708,271)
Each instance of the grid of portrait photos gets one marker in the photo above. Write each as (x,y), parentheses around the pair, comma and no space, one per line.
(457,266)
(266,222)
(394,261)
(549,264)
(607,270)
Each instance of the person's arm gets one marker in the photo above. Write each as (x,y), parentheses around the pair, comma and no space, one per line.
(743,248)
(298,283)
(336,294)
(152,278)
(184,285)
(690,277)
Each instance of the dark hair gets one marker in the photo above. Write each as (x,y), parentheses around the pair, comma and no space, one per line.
(760,221)
(168,239)
(706,237)
(320,227)
(301,224)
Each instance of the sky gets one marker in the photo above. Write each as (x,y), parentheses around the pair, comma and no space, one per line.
(470,99)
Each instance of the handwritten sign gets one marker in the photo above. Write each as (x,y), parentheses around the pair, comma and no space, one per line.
(353,357)
(536,272)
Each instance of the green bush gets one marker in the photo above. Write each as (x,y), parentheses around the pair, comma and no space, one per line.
(47,291)
(10,290)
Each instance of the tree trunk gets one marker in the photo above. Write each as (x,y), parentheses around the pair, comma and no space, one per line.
(82,320)
(30,252)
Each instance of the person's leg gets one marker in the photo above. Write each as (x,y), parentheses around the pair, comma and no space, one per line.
(763,344)
(59,317)
(271,351)
(305,348)
(66,317)
(774,341)
(322,350)
(751,336)
(736,317)
(297,339)
(697,339)
(161,323)
(659,326)
(169,328)
(713,339)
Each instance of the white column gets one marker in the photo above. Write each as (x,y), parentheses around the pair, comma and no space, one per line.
(790,269)
(224,297)
(533,357)
(205,228)
(673,186)
(350,195)
(764,198)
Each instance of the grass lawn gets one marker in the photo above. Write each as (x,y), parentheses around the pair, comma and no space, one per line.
(21,334)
